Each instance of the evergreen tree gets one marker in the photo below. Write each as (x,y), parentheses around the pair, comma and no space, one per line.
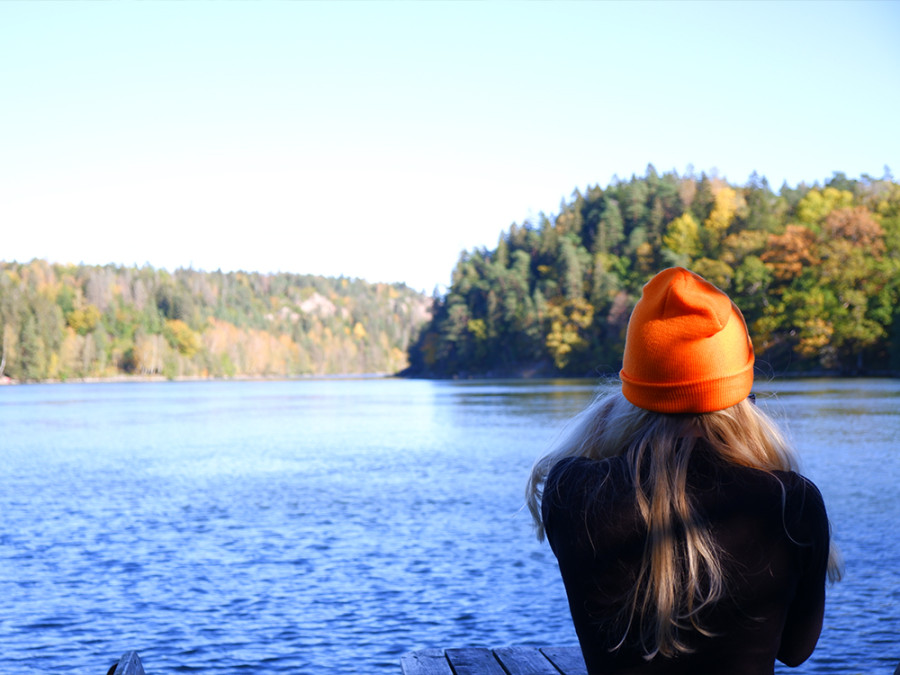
(816,272)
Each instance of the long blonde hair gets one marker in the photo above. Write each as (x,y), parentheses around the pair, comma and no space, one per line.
(674,583)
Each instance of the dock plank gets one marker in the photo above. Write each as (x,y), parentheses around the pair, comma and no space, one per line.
(515,660)
(525,661)
(567,659)
(129,664)
(425,662)
(474,661)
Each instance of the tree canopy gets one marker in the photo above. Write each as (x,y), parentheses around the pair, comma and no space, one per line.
(815,270)
(74,321)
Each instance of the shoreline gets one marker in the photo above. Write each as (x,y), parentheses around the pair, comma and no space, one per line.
(144,379)
(139,379)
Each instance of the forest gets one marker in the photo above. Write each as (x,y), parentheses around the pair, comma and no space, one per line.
(815,269)
(61,322)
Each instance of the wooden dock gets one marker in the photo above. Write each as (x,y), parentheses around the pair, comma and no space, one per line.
(464,661)
(129,664)
(498,661)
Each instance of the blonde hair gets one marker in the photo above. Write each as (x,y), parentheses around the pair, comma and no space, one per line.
(674,583)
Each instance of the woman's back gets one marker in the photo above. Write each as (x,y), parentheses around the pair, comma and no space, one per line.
(772,533)
(686,542)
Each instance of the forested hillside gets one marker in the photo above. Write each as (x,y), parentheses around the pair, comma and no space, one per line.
(816,271)
(66,321)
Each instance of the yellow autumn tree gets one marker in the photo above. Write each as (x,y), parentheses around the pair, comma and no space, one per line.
(84,319)
(683,236)
(148,353)
(70,353)
(726,203)
(182,337)
(569,322)
(817,204)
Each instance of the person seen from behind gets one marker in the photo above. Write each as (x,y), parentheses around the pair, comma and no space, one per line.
(686,540)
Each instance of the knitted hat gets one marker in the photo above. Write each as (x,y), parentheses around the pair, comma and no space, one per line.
(687,349)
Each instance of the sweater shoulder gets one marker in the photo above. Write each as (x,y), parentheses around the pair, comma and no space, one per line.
(574,475)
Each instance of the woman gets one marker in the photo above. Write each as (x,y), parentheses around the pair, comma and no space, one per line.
(686,541)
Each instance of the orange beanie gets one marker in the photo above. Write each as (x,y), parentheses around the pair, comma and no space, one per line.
(687,349)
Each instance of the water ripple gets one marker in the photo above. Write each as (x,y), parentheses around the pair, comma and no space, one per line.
(306,527)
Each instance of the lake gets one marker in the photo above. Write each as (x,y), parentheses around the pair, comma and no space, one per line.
(314,526)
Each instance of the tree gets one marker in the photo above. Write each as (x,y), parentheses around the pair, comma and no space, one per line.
(787,254)
(568,337)
(726,202)
(851,250)
(83,320)
(717,272)
(797,269)
(611,229)
(149,353)
(33,350)
(816,205)
(683,239)
(571,271)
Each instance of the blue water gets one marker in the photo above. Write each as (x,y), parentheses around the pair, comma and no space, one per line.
(332,525)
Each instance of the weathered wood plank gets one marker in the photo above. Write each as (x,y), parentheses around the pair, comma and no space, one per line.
(524,661)
(567,659)
(474,661)
(500,661)
(425,662)
(129,664)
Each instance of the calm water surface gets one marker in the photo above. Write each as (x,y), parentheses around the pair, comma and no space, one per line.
(331,526)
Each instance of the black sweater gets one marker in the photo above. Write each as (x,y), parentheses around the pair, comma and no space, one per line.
(772,529)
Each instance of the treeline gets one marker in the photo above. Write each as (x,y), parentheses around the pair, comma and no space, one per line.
(815,269)
(60,322)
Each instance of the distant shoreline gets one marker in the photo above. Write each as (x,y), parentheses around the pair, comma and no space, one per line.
(144,379)
(117,379)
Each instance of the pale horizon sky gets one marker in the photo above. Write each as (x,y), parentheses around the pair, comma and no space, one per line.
(380,139)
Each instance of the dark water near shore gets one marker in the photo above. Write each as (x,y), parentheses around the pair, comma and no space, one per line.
(331,526)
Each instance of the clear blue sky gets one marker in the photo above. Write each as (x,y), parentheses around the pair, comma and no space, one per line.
(379,140)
